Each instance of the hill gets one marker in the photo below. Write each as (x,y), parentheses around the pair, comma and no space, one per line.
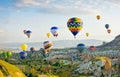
(114,44)
(8,70)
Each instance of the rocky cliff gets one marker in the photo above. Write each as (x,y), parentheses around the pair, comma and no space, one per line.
(114,44)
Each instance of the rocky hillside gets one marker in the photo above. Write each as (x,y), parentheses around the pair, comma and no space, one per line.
(114,44)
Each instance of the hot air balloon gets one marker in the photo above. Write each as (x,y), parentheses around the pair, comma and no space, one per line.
(80,47)
(9,54)
(92,48)
(107,26)
(54,31)
(98,17)
(47,46)
(87,34)
(24,47)
(109,31)
(32,49)
(48,35)
(4,54)
(28,33)
(24,31)
(75,25)
(108,64)
(23,55)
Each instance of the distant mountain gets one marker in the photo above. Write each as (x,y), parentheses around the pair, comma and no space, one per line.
(56,44)
(73,43)
(114,44)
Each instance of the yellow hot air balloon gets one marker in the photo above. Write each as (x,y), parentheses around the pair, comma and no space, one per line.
(87,34)
(106,61)
(48,35)
(98,17)
(108,64)
(24,47)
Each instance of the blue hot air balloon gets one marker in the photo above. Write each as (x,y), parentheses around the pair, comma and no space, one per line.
(80,47)
(107,26)
(23,55)
(54,31)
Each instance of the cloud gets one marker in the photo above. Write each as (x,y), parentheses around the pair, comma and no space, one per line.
(27,3)
(69,6)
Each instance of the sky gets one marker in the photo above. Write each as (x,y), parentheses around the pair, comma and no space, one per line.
(40,15)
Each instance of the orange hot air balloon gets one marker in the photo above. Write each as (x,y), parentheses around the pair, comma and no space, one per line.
(98,17)
(109,31)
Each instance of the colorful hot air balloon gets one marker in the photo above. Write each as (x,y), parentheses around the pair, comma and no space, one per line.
(23,55)
(80,47)
(98,17)
(87,34)
(47,46)
(48,35)
(109,31)
(24,47)
(75,25)
(54,31)
(106,26)
(92,48)
(28,33)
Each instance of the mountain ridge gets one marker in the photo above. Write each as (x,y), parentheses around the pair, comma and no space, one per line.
(114,44)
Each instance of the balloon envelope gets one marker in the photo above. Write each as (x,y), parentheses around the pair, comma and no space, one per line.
(54,31)
(24,31)
(47,46)
(81,47)
(9,54)
(4,54)
(75,25)
(109,31)
(107,26)
(92,48)
(28,33)
(98,17)
(32,49)
(87,34)
(24,47)
(23,55)
(48,35)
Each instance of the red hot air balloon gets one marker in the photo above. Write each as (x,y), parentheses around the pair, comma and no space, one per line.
(92,48)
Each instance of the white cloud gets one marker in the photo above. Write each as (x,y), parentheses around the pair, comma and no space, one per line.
(69,6)
(23,3)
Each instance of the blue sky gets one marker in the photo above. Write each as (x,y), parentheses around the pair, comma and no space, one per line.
(40,15)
